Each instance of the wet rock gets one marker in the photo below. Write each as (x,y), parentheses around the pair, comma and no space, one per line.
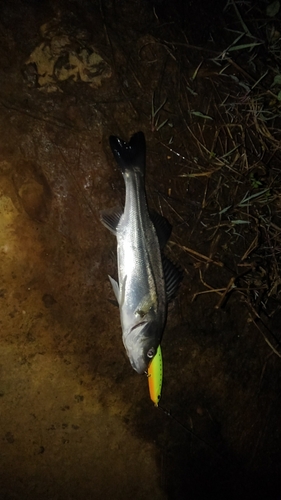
(62,56)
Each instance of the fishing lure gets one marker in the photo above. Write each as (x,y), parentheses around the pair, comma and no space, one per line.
(155,377)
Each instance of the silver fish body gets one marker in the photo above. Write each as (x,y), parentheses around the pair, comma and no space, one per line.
(141,288)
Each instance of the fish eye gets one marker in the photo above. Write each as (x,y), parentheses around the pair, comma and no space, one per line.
(151,353)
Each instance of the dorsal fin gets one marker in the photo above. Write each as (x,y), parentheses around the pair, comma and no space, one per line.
(173,276)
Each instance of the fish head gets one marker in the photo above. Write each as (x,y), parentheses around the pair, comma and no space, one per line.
(141,344)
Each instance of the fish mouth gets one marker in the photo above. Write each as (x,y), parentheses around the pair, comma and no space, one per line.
(140,368)
(135,347)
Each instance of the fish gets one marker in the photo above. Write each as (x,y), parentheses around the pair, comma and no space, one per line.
(146,277)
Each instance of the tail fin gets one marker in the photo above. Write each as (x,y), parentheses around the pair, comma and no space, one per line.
(129,154)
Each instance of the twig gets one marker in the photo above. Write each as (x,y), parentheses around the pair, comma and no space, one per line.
(197,254)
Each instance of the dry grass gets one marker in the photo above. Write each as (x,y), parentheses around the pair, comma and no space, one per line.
(215,114)
(236,136)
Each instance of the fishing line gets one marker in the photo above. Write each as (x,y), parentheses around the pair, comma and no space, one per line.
(189,431)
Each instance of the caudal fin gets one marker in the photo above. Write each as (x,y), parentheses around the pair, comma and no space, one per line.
(129,154)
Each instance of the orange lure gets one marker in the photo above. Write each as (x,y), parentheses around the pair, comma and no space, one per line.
(155,377)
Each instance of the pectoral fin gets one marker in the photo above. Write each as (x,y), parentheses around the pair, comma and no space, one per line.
(145,305)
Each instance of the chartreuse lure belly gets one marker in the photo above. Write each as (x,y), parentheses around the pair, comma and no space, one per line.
(155,377)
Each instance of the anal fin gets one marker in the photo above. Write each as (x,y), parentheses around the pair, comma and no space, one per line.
(111,218)
(162,226)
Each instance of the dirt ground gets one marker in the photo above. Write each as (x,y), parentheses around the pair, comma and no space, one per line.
(76,421)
